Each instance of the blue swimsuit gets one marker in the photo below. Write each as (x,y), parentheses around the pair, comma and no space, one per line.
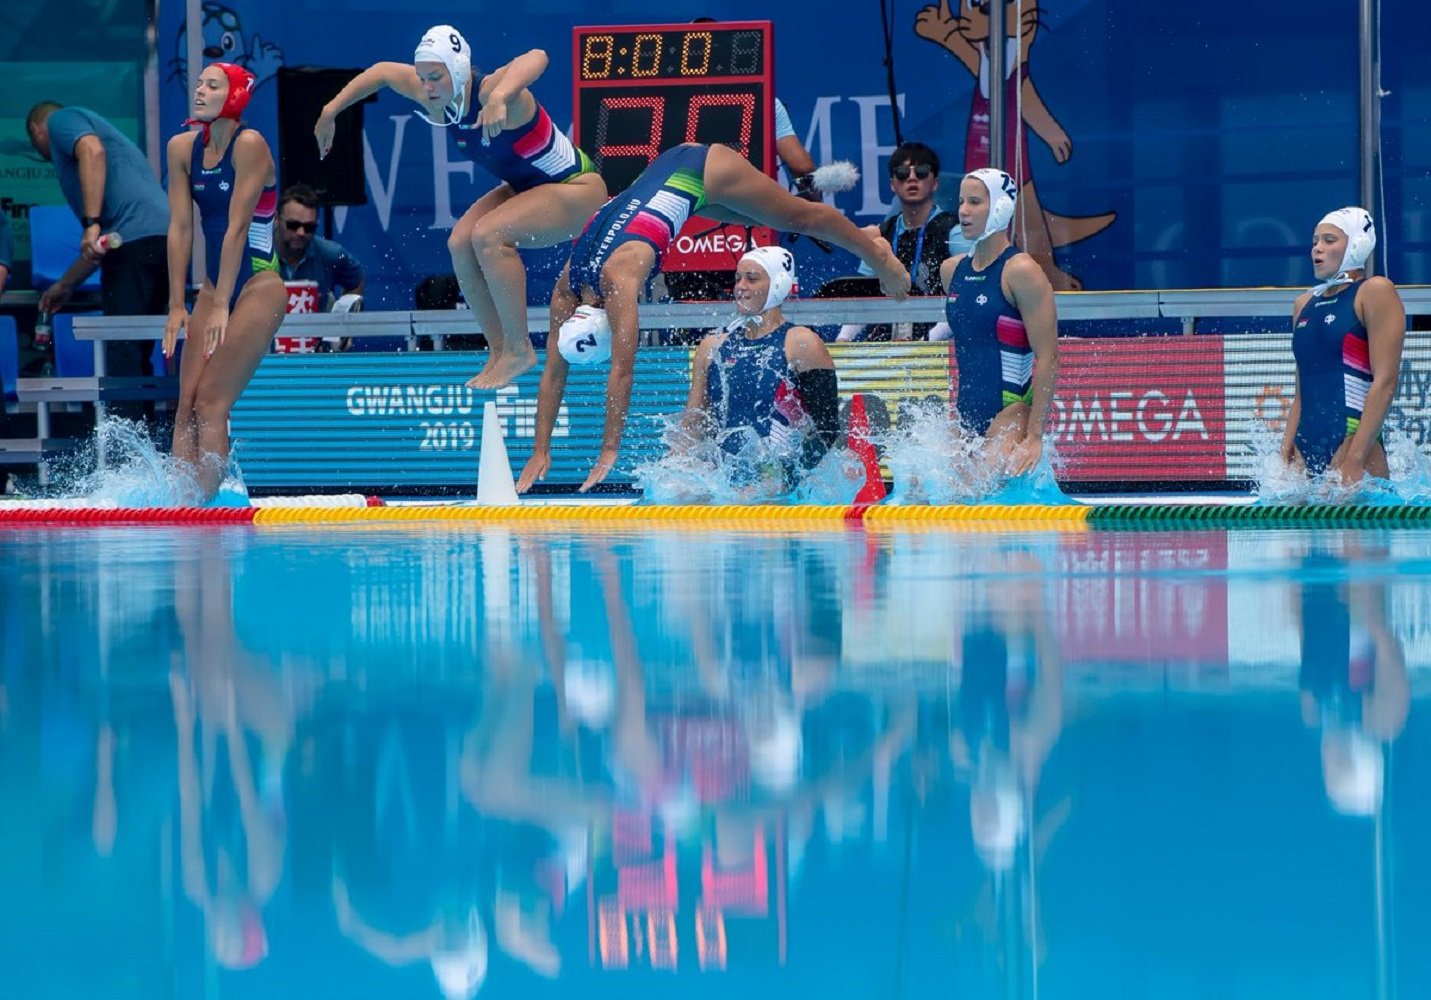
(1333,374)
(212,189)
(533,154)
(746,383)
(652,210)
(991,346)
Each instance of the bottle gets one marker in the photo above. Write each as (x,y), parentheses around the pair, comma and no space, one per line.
(109,241)
(43,330)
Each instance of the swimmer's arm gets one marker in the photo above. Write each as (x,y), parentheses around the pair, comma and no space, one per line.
(621,310)
(553,384)
(253,165)
(509,83)
(1294,417)
(400,77)
(810,360)
(697,399)
(719,213)
(946,270)
(549,395)
(1033,295)
(180,242)
(1384,317)
(1294,412)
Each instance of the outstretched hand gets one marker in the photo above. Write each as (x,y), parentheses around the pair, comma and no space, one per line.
(604,464)
(174,327)
(535,470)
(1025,455)
(323,132)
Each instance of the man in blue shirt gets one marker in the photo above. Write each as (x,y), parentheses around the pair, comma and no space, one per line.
(305,256)
(110,185)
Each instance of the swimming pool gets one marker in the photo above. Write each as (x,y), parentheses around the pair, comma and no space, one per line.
(370,760)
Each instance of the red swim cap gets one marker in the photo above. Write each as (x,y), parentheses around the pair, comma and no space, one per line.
(240,90)
(241,83)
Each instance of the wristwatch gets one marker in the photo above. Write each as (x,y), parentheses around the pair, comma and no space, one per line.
(89,220)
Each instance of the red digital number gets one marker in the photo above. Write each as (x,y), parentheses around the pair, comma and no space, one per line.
(652,146)
(746,103)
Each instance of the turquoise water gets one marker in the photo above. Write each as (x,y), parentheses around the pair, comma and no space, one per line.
(427,763)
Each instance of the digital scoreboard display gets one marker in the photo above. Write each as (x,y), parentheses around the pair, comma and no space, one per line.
(639,90)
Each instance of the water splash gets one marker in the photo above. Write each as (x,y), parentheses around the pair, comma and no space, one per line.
(703,466)
(1280,483)
(136,473)
(1410,468)
(936,460)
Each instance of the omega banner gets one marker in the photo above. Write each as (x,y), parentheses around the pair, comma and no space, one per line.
(1156,409)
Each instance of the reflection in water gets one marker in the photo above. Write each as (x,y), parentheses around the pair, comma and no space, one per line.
(440,764)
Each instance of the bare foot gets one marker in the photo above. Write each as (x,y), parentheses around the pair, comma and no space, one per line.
(479,381)
(502,368)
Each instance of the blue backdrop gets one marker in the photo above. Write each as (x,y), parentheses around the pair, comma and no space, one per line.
(1218,136)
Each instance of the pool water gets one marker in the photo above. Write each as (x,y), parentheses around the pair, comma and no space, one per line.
(448,763)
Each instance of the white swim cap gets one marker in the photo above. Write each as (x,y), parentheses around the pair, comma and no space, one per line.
(1360,232)
(444,44)
(585,338)
(779,263)
(1003,195)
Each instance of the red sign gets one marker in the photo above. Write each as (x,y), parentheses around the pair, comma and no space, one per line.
(302,299)
(1140,408)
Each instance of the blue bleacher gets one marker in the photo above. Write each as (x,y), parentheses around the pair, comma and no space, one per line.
(73,358)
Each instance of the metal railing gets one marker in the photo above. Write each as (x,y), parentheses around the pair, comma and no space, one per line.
(1186,306)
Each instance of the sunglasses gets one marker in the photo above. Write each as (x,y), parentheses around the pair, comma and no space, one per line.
(294,226)
(922,171)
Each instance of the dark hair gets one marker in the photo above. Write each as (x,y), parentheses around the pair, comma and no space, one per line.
(913,154)
(301,193)
(41,113)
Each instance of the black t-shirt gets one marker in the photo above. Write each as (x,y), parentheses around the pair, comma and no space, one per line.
(933,249)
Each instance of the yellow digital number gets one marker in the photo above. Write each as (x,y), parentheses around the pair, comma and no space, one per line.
(704,48)
(596,52)
(646,59)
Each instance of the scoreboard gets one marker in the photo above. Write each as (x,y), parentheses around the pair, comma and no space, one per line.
(639,90)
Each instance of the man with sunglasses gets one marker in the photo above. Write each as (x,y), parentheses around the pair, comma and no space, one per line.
(305,256)
(918,232)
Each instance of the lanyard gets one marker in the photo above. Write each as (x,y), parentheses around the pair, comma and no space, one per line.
(918,263)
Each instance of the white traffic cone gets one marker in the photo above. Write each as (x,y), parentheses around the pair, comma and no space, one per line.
(495,486)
